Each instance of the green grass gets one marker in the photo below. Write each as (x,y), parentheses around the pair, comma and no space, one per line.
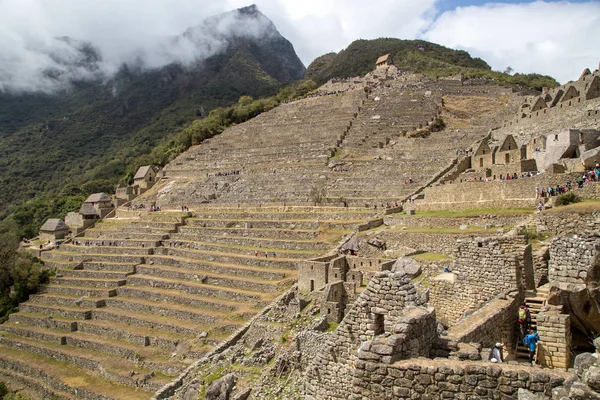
(332,327)
(585,206)
(431,257)
(477,212)
(470,229)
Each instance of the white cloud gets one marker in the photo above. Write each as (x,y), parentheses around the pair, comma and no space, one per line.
(557,39)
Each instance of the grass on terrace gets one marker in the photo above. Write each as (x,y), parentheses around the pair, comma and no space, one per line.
(473,213)
(470,229)
(585,206)
(431,257)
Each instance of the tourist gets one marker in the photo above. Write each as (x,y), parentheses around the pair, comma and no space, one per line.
(530,341)
(540,206)
(524,319)
(496,355)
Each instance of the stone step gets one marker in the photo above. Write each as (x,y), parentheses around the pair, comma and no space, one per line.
(213,267)
(208,278)
(51,310)
(112,368)
(57,376)
(293,215)
(96,233)
(243,296)
(58,264)
(235,249)
(277,262)
(253,242)
(108,266)
(77,258)
(44,321)
(296,234)
(99,249)
(162,225)
(87,273)
(129,231)
(156,322)
(77,339)
(139,336)
(252,223)
(77,291)
(88,282)
(173,311)
(40,334)
(176,297)
(33,384)
(68,301)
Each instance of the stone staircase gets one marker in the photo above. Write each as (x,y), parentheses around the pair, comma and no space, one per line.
(534,301)
(136,300)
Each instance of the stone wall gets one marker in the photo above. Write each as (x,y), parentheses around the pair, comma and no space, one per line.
(554,328)
(417,221)
(494,322)
(382,325)
(570,257)
(421,379)
(559,223)
(482,270)
(519,193)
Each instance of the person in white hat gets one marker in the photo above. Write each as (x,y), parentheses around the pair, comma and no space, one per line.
(496,355)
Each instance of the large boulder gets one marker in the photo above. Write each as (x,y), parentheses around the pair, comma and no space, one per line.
(408,265)
(524,394)
(221,388)
(583,362)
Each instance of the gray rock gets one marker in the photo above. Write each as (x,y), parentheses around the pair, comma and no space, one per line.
(191,393)
(592,378)
(583,362)
(580,391)
(221,388)
(524,394)
(407,265)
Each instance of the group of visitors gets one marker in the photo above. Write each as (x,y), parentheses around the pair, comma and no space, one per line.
(411,180)
(228,173)
(98,243)
(256,253)
(387,204)
(340,169)
(527,334)
(184,208)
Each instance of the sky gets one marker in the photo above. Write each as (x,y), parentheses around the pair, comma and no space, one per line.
(557,38)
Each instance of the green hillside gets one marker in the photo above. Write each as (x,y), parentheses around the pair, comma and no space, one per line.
(82,139)
(416,56)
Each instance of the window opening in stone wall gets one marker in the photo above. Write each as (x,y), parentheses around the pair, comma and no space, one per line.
(555,137)
(507,158)
(378,324)
(479,244)
(312,285)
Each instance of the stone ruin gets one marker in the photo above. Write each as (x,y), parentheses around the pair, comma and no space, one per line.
(159,303)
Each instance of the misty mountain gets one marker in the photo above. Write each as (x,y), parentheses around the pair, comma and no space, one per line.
(81,120)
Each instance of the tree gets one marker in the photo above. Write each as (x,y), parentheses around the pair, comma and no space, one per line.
(508,70)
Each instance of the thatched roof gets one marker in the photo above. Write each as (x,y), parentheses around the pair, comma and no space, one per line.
(88,209)
(97,197)
(351,244)
(383,59)
(142,171)
(53,225)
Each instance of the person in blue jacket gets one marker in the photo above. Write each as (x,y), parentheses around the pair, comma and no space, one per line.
(530,341)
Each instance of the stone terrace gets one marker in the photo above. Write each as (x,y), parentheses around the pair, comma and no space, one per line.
(136,300)
(380,159)
(295,140)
